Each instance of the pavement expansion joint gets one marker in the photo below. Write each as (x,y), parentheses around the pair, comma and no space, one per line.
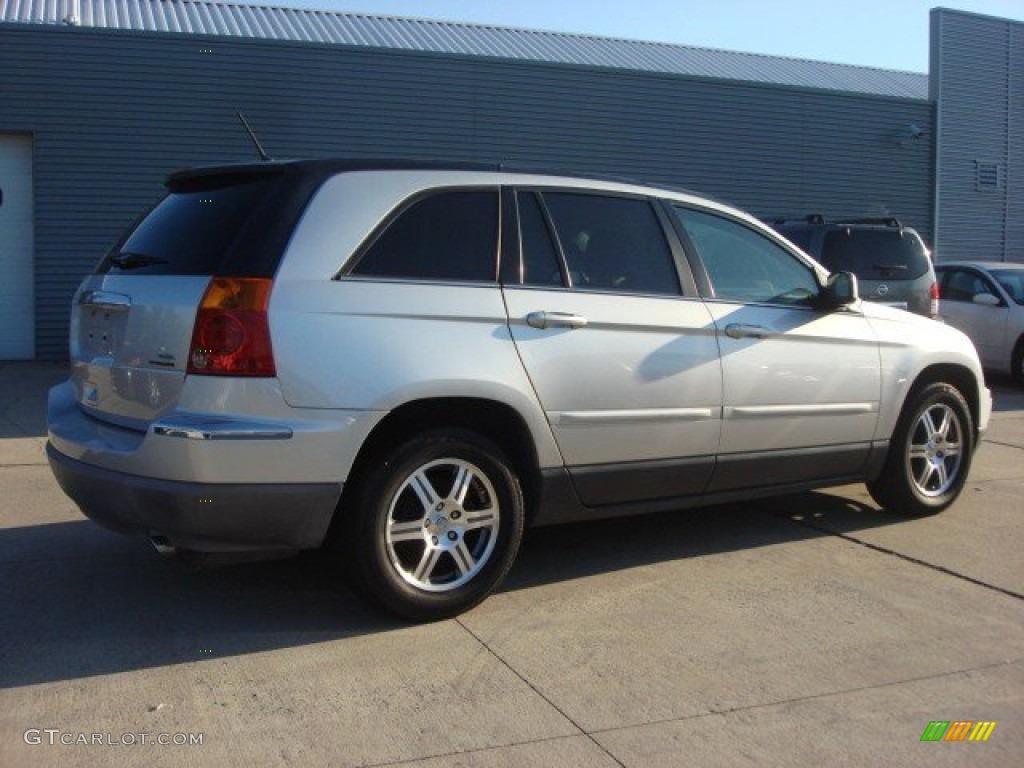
(534,688)
(475,751)
(907,558)
(723,711)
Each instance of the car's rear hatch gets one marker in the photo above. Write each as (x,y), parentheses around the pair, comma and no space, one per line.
(132,320)
(891,264)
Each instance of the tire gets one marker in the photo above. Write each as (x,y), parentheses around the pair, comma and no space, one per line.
(929,455)
(1017,363)
(436,525)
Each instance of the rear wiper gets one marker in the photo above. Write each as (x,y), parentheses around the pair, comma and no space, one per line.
(128,260)
(890,267)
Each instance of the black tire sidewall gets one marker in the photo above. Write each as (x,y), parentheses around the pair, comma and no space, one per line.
(373,564)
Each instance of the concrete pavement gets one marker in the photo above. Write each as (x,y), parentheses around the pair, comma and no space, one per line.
(811,629)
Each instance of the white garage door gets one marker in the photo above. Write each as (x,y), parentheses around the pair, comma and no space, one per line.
(17,318)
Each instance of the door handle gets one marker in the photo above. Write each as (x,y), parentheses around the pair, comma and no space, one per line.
(105,300)
(741,331)
(544,320)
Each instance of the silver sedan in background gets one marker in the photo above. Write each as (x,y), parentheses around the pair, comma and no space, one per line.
(985,300)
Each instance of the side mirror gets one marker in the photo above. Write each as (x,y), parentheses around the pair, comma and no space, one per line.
(840,290)
(986,300)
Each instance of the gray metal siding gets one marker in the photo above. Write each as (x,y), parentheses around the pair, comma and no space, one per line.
(112,112)
(978,86)
(1014,220)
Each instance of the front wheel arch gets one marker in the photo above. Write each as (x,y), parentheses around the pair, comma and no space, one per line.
(957,376)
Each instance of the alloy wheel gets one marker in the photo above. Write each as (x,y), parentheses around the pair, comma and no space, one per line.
(442,525)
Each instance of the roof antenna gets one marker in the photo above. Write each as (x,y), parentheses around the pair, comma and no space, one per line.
(259,147)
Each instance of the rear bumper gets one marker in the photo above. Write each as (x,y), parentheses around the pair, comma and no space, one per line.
(203,517)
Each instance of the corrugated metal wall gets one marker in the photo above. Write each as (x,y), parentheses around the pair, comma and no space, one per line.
(112,112)
(977,82)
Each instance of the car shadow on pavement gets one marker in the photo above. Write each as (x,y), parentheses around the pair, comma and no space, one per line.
(572,551)
(81,601)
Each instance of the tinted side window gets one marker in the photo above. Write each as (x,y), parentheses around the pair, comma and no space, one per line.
(612,243)
(1012,281)
(744,265)
(191,232)
(961,285)
(540,258)
(874,254)
(447,236)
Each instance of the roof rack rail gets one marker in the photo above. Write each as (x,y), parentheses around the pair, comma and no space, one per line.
(885,221)
(811,218)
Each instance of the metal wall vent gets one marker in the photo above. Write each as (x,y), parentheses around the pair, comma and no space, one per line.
(989,176)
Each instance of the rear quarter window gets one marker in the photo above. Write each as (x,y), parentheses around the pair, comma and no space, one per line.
(445,236)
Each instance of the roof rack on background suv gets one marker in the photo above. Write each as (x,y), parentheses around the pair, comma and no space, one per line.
(818,219)
(811,218)
(885,221)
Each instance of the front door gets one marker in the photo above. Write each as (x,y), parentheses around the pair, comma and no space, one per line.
(801,386)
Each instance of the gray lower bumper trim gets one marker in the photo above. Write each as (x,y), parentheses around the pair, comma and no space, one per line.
(205,517)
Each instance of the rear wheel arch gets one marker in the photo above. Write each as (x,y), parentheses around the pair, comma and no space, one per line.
(497,422)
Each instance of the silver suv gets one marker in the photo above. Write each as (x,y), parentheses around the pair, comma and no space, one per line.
(409,363)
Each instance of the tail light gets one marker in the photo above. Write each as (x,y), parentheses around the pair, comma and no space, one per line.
(231,335)
(933,307)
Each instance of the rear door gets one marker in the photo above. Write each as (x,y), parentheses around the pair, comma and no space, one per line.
(621,352)
(801,386)
(891,264)
(132,320)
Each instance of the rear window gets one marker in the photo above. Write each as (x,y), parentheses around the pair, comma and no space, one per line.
(875,254)
(195,232)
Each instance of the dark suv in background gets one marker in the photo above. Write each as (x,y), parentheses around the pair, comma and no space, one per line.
(890,261)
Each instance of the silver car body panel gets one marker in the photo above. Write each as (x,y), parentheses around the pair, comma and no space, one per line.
(811,379)
(640,381)
(378,344)
(908,344)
